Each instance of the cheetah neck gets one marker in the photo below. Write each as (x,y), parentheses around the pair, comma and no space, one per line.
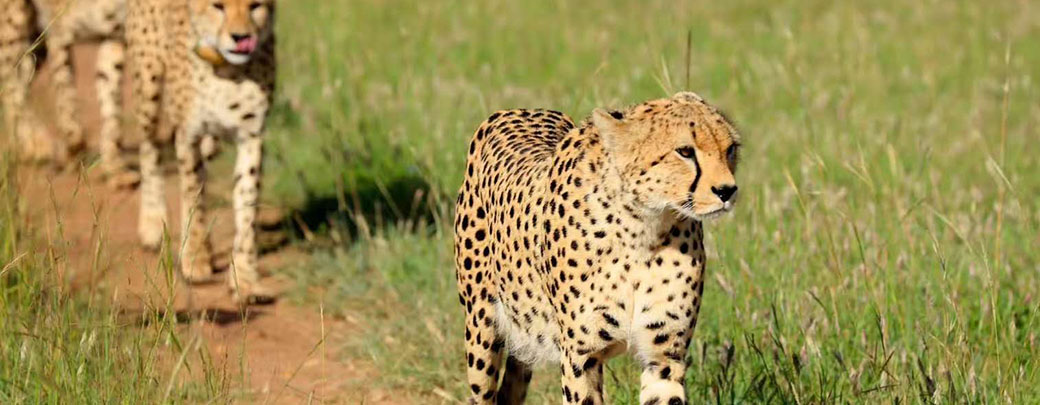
(608,200)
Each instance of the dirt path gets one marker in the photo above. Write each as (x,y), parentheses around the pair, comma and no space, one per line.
(276,352)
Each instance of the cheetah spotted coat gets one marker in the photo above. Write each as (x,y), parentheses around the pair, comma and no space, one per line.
(191,97)
(574,244)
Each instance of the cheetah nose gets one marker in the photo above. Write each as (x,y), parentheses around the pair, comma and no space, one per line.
(725,192)
(239,37)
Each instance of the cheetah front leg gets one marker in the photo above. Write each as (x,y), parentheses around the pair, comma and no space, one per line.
(146,73)
(152,219)
(662,338)
(662,335)
(196,253)
(244,279)
(662,380)
(582,378)
(59,48)
(110,59)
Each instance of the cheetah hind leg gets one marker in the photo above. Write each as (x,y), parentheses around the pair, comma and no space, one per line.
(515,382)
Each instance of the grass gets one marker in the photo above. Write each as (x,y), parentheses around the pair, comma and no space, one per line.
(884,248)
(61,344)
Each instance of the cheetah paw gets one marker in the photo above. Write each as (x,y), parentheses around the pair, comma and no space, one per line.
(124,180)
(252,295)
(150,232)
(209,147)
(198,273)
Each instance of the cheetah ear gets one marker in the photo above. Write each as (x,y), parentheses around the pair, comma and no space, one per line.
(688,96)
(609,125)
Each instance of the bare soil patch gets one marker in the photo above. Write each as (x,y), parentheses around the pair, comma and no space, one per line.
(277,353)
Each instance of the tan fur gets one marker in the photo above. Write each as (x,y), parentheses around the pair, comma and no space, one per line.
(65,22)
(182,97)
(576,243)
(16,67)
(211,55)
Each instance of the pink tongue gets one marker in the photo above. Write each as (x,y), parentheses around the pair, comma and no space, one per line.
(246,45)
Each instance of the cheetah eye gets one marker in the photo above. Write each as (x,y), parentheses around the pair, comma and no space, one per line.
(218,6)
(685,151)
(731,152)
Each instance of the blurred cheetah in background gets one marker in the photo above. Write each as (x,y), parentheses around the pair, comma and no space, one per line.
(574,244)
(63,23)
(17,29)
(202,69)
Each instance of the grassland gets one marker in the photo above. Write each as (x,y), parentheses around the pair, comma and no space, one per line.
(885,245)
(885,248)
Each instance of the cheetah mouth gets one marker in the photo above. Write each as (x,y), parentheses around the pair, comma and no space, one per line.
(244,46)
(236,56)
(240,51)
(715,213)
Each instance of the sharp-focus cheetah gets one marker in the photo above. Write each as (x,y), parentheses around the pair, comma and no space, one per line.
(63,23)
(575,243)
(202,69)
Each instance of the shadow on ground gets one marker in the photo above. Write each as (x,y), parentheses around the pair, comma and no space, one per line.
(217,316)
(403,201)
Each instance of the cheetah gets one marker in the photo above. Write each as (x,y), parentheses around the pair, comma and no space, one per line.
(202,69)
(574,244)
(17,30)
(65,22)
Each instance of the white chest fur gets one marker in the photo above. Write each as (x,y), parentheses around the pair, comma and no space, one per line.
(226,101)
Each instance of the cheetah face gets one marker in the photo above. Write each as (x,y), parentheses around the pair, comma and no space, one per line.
(674,154)
(235,28)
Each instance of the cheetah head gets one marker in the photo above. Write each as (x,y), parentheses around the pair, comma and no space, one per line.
(678,153)
(234,28)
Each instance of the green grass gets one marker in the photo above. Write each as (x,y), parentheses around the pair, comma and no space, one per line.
(885,245)
(60,344)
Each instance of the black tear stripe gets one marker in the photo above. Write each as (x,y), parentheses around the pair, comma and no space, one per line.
(696,179)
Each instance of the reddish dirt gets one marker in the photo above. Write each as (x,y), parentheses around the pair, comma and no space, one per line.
(280,353)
